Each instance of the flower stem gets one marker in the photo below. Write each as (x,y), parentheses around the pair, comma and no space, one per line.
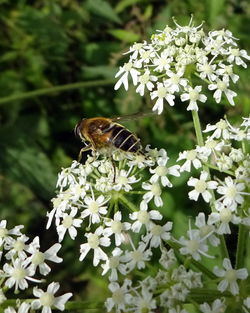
(240,247)
(127,203)
(55,89)
(200,141)
(197,127)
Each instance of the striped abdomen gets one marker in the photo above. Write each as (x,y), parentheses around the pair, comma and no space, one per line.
(123,139)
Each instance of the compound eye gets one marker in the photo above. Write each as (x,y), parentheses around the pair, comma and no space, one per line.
(78,128)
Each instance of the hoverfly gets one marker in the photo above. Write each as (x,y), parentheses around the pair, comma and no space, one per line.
(105,135)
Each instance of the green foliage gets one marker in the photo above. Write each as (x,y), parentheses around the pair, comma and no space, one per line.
(51,43)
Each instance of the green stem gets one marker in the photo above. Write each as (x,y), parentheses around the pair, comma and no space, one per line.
(197,127)
(55,89)
(127,203)
(200,141)
(217,169)
(223,247)
(241,243)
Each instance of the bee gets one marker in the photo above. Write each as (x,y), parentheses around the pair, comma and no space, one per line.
(104,135)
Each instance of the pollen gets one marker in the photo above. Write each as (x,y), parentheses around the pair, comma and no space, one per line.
(93,241)
(47,299)
(191,155)
(193,245)
(67,221)
(201,186)
(38,258)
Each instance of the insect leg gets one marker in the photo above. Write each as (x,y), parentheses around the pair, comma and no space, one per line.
(87,148)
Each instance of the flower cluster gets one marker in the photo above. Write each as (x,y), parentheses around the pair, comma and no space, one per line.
(176,58)
(23,261)
(122,238)
(224,151)
(176,281)
(95,194)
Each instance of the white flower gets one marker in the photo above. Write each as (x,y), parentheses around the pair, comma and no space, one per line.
(23,308)
(227,70)
(120,296)
(222,218)
(16,247)
(230,277)
(161,172)
(18,274)
(193,95)
(38,258)
(95,208)
(136,49)
(247,303)
(236,55)
(143,217)
(69,223)
(201,186)
(47,299)
(191,158)
(126,69)
(206,229)
(168,258)
(95,240)
(157,234)
(162,62)
(232,193)
(116,227)
(195,245)
(218,306)
(224,162)
(154,192)
(123,180)
(137,257)
(6,234)
(246,122)
(206,70)
(143,302)
(220,130)
(113,264)
(220,86)
(145,80)
(175,81)
(161,93)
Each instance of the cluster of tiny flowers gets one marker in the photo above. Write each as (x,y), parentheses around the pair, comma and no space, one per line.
(224,151)
(166,66)
(99,195)
(22,262)
(176,281)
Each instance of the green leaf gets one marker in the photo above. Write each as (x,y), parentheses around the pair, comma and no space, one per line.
(122,5)
(103,9)
(124,35)
(214,9)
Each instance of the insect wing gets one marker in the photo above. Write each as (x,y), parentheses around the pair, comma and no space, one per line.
(132,116)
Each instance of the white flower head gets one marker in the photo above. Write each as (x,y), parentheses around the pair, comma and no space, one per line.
(193,95)
(201,187)
(230,277)
(69,223)
(123,72)
(95,241)
(38,259)
(18,274)
(48,300)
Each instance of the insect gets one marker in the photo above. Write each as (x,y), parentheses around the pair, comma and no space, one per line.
(105,135)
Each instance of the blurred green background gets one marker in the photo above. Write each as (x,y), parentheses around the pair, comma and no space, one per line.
(58,60)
